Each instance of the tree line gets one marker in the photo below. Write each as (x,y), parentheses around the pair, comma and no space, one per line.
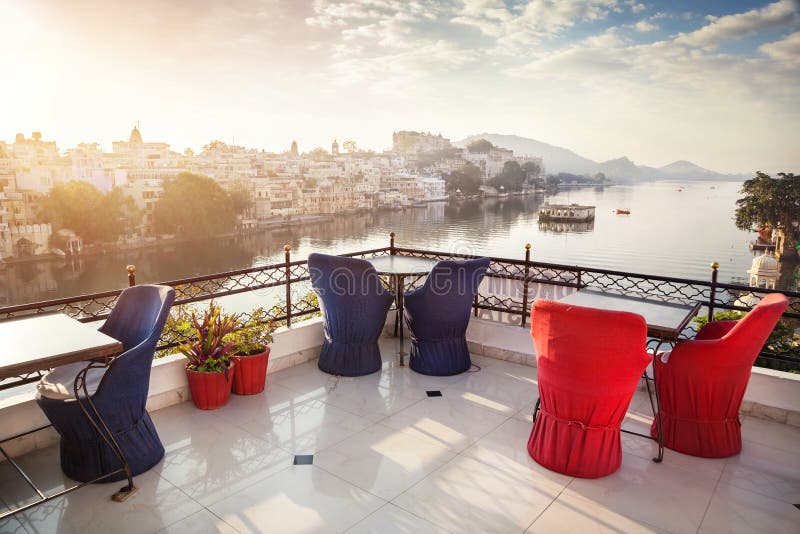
(191,204)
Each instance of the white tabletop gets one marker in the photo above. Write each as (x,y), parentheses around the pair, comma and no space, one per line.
(404,265)
(44,341)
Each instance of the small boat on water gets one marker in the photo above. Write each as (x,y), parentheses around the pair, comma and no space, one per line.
(623,211)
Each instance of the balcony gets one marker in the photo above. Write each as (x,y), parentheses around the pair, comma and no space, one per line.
(387,457)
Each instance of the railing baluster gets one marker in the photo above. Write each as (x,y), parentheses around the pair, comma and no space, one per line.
(131,275)
(525,284)
(713,294)
(288,252)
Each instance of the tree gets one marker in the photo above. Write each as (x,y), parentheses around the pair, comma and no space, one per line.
(241,197)
(93,215)
(467,179)
(193,204)
(349,147)
(533,169)
(771,202)
(510,178)
(480,146)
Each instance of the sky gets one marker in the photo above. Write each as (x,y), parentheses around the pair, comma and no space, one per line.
(714,82)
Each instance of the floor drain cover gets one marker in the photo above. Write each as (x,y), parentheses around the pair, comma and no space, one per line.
(303,459)
(434,393)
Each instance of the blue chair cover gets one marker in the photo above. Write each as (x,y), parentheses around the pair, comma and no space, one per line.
(137,321)
(437,315)
(354,305)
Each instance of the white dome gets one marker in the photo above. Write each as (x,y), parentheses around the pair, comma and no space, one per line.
(764,265)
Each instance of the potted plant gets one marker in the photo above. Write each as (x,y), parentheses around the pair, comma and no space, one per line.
(251,353)
(210,369)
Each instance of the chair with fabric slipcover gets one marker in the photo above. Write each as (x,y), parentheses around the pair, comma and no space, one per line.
(118,391)
(589,364)
(354,305)
(702,382)
(437,315)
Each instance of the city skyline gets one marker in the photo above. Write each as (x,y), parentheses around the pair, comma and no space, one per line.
(653,81)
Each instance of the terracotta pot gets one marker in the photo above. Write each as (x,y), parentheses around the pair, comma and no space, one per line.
(211,390)
(251,373)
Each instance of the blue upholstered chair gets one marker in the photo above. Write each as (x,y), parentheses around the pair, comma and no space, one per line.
(437,315)
(118,391)
(354,305)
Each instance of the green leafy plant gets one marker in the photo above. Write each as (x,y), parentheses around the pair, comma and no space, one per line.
(206,349)
(254,335)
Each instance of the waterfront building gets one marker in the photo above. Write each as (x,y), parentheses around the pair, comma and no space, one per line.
(490,162)
(222,161)
(409,142)
(25,241)
(145,193)
(764,271)
(408,185)
(433,188)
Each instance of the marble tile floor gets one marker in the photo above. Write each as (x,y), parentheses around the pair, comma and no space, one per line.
(390,459)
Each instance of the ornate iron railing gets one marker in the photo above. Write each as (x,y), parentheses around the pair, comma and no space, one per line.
(510,288)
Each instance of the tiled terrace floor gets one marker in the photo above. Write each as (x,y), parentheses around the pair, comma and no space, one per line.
(388,458)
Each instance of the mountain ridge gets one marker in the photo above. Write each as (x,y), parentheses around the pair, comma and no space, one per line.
(559,159)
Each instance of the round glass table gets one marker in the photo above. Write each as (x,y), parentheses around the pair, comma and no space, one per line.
(398,267)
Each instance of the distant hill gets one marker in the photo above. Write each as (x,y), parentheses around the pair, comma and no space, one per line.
(558,159)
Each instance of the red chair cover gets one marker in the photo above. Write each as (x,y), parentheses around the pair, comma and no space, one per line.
(701,386)
(589,362)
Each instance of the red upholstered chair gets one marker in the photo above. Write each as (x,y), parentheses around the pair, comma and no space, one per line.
(701,386)
(590,362)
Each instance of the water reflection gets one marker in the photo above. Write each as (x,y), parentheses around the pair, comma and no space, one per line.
(566,227)
(669,233)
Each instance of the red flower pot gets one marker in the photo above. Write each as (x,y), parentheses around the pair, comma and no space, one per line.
(210,390)
(251,373)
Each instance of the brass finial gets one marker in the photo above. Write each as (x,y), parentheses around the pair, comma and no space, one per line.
(715,265)
(287,248)
(131,269)
(527,246)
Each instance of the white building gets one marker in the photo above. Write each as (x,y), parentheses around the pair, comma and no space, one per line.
(434,188)
(491,162)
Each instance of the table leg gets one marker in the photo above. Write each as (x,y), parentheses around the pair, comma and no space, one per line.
(657,406)
(399,300)
(103,431)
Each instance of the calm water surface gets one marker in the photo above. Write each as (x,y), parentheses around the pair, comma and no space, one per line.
(669,232)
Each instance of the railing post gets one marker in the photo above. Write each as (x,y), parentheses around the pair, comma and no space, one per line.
(392,251)
(525,284)
(713,296)
(287,249)
(579,280)
(131,275)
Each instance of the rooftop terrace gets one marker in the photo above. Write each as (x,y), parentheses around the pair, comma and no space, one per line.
(389,458)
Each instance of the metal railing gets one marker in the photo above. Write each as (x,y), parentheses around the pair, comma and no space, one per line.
(510,288)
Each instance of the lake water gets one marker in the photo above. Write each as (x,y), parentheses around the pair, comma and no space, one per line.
(668,232)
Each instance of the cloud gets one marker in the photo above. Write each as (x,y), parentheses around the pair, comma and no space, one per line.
(519,26)
(645,26)
(786,50)
(740,25)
